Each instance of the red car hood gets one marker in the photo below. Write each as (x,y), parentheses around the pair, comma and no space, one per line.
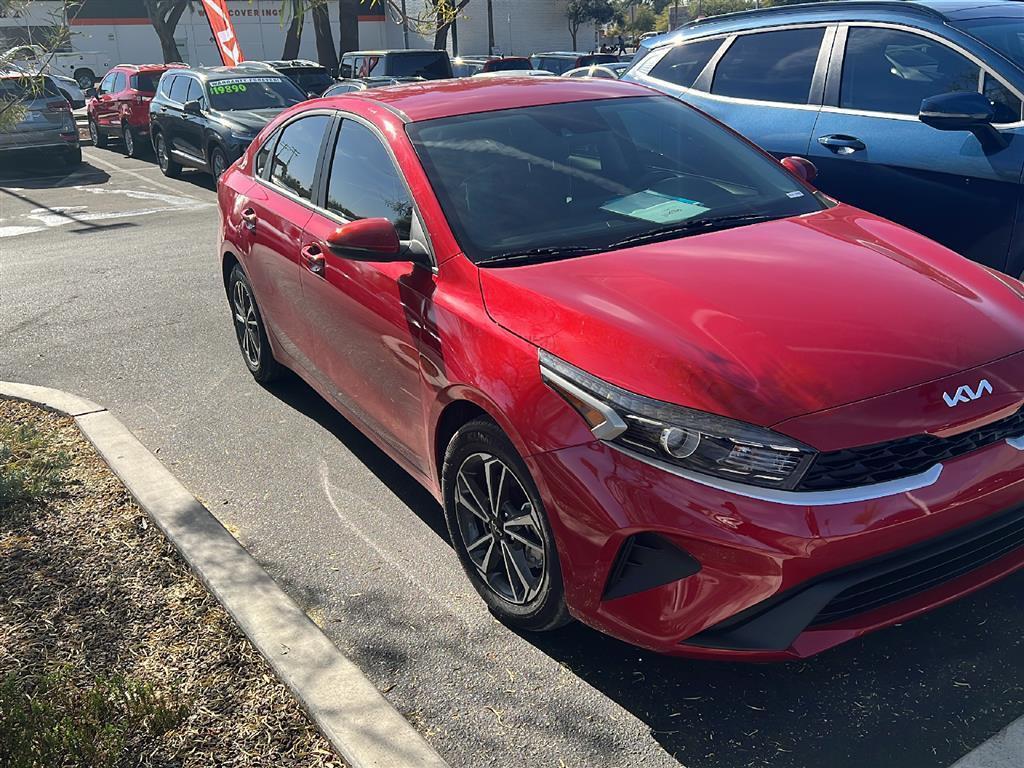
(767,322)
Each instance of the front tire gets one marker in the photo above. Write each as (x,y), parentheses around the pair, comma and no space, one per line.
(168,167)
(99,139)
(85,78)
(218,162)
(500,530)
(249,329)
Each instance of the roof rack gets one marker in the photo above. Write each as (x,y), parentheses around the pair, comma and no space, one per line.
(846,5)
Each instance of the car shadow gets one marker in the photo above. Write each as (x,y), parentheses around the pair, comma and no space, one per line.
(47,172)
(918,695)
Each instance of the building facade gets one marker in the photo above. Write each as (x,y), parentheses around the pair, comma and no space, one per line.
(121,30)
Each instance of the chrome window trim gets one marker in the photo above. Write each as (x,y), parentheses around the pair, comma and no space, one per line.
(844,28)
(796,498)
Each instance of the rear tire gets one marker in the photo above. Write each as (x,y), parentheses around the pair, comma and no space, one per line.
(132,146)
(168,167)
(500,530)
(99,139)
(249,330)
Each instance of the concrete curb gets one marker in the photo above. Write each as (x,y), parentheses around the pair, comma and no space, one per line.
(1004,750)
(366,730)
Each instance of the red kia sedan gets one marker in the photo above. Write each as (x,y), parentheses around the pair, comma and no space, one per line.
(657,381)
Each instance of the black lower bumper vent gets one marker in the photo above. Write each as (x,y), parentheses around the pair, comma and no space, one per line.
(645,561)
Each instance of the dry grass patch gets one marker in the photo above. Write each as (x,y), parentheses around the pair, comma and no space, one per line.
(111,653)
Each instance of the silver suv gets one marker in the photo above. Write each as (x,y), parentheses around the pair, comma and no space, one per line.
(47,124)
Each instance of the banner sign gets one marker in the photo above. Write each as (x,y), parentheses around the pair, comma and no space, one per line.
(224,32)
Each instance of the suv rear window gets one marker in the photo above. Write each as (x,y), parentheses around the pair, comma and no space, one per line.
(146,81)
(18,88)
(506,65)
(430,65)
(684,63)
(770,66)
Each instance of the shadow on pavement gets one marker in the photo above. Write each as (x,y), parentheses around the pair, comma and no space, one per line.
(32,171)
(918,695)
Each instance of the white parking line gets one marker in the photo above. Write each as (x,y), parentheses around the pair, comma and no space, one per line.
(112,167)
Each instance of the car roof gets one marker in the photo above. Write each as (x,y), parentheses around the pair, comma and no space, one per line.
(464,96)
(253,69)
(392,51)
(281,63)
(574,54)
(934,12)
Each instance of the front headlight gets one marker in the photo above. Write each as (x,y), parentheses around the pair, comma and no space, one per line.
(693,440)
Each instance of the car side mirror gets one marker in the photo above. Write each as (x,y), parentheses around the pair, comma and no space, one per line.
(91,92)
(963,111)
(192,107)
(801,168)
(374,240)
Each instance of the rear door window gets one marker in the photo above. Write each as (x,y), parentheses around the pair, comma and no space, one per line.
(296,154)
(770,66)
(683,63)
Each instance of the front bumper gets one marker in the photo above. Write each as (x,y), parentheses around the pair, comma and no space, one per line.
(774,580)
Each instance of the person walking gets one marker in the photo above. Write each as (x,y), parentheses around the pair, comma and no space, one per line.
(622,45)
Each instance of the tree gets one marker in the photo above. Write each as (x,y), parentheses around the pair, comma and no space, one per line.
(445,14)
(578,12)
(164,16)
(325,51)
(293,37)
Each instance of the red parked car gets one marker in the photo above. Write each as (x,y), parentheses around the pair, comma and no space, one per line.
(656,380)
(120,107)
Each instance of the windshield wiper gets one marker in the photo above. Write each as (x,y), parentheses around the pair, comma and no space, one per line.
(538,255)
(709,224)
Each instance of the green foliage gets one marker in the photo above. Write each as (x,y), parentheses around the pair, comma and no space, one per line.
(55,720)
(578,12)
(30,469)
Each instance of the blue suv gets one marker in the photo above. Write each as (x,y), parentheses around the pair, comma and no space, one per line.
(911,110)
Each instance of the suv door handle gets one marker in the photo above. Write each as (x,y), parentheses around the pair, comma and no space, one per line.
(842,144)
(313,259)
(249,219)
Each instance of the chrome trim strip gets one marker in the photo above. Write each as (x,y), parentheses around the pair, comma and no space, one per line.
(1016,442)
(611,427)
(797,498)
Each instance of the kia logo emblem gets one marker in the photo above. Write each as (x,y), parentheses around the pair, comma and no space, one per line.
(965,394)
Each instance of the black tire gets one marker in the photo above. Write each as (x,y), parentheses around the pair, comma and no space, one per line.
(253,342)
(85,78)
(218,162)
(542,606)
(73,158)
(168,167)
(99,139)
(132,146)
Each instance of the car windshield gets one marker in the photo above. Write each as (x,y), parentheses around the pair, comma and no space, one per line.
(312,80)
(1005,34)
(259,92)
(430,65)
(146,81)
(589,175)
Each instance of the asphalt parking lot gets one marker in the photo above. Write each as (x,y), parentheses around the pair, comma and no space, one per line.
(110,288)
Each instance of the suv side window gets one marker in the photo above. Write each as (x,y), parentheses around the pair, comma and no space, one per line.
(770,66)
(886,70)
(296,154)
(345,70)
(108,83)
(179,88)
(364,182)
(195,91)
(682,64)
(120,83)
(166,84)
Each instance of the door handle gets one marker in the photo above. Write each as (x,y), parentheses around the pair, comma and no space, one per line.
(249,219)
(313,259)
(842,144)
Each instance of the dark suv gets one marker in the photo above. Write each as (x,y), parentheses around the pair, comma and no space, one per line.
(911,110)
(311,77)
(206,117)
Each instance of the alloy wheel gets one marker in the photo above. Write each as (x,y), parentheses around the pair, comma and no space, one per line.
(246,324)
(129,141)
(500,528)
(94,133)
(219,164)
(161,154)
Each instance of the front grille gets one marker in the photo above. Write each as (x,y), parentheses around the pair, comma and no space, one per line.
(852,467)
(922,570)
